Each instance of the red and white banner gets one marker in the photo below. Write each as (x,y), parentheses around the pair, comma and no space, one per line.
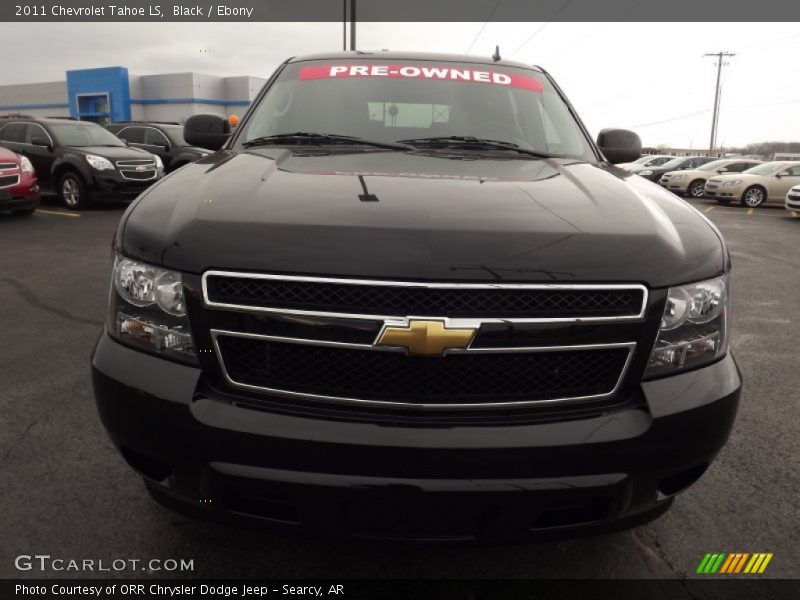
(420,72)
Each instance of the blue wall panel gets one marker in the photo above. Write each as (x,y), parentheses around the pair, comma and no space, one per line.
(109,80)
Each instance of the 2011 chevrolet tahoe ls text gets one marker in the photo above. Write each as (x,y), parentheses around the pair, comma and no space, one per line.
(409,297)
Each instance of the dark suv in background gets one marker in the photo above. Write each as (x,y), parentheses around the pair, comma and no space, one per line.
(165,140)
(676,164)
(78,160)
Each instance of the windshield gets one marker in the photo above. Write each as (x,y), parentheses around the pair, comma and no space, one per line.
(673,164)
(714,165)
(657,162)
(384,101)
(175,135)
(83,134)
(765,169)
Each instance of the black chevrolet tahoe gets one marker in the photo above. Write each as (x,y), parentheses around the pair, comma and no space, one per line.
(410,298)
(164,140)
(79,160)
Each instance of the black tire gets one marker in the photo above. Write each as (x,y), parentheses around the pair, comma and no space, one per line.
(696,189)
(73,191)
(754,196)
(24,212)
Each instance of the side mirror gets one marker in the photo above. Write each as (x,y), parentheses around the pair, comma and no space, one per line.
(40,141)
(619,145)
(722,170)
(781,174)
(207,131)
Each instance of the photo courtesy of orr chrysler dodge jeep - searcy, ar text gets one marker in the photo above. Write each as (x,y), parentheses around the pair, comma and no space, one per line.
(410,298)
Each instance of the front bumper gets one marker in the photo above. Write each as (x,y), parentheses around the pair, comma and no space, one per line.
(792,201)
(112,185)
(202,455)
(18,199)
(679,187)
(718,191)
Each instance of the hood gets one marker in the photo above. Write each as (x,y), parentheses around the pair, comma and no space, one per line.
(395,215)
(116,152)
(734,176)
(689,173)
(197,149)
(7,155)
(653,169)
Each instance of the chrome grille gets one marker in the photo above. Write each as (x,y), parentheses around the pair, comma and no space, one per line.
(133,169)
(333,368)
(465,380)
(463,300)
(8,180)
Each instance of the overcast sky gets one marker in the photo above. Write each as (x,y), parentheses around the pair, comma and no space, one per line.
(642,76)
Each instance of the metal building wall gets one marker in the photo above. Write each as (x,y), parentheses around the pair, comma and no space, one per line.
(36,99)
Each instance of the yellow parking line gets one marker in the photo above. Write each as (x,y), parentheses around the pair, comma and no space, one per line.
(794,213)
(710,209)
(750,211)
(57,212)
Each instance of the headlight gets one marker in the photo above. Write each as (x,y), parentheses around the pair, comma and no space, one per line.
(646,172)
(25,165)
(676,177)
(732,183)
(148,309)
(693,328)
(98,162)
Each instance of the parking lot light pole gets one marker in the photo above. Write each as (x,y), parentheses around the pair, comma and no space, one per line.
(715,116)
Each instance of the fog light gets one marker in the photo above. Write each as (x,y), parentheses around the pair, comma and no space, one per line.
(677,355)
(160,337)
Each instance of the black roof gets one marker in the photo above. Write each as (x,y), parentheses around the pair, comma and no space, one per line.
(20,117)
(421,56)
(169,123)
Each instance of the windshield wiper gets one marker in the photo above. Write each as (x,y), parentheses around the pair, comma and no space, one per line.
(467,142)
(303,137)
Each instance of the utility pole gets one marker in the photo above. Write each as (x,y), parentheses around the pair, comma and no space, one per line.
(344,24)
(352,24)
(715,118)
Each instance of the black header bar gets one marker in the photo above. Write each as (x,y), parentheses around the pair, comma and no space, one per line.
(677,11)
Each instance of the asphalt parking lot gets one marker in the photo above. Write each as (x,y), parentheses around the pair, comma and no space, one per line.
(66,492)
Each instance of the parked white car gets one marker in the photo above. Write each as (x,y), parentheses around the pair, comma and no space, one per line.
(792,201)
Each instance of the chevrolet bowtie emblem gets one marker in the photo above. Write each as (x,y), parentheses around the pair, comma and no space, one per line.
(426,338)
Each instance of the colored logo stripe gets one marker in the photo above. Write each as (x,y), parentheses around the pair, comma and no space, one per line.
(711,563)
(734,562)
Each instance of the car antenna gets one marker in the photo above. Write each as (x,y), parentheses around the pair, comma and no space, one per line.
(496,55)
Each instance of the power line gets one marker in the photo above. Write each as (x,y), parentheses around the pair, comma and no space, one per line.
(730,108)
(489,18)
(594,30)
(545,24)
(670,120)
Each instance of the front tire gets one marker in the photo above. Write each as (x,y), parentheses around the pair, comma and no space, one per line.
(73,192)
(697,189)
(754,196)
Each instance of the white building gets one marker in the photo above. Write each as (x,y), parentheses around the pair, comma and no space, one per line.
(112,94)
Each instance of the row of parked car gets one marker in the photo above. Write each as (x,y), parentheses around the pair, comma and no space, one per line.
(750,182)
(82,161)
